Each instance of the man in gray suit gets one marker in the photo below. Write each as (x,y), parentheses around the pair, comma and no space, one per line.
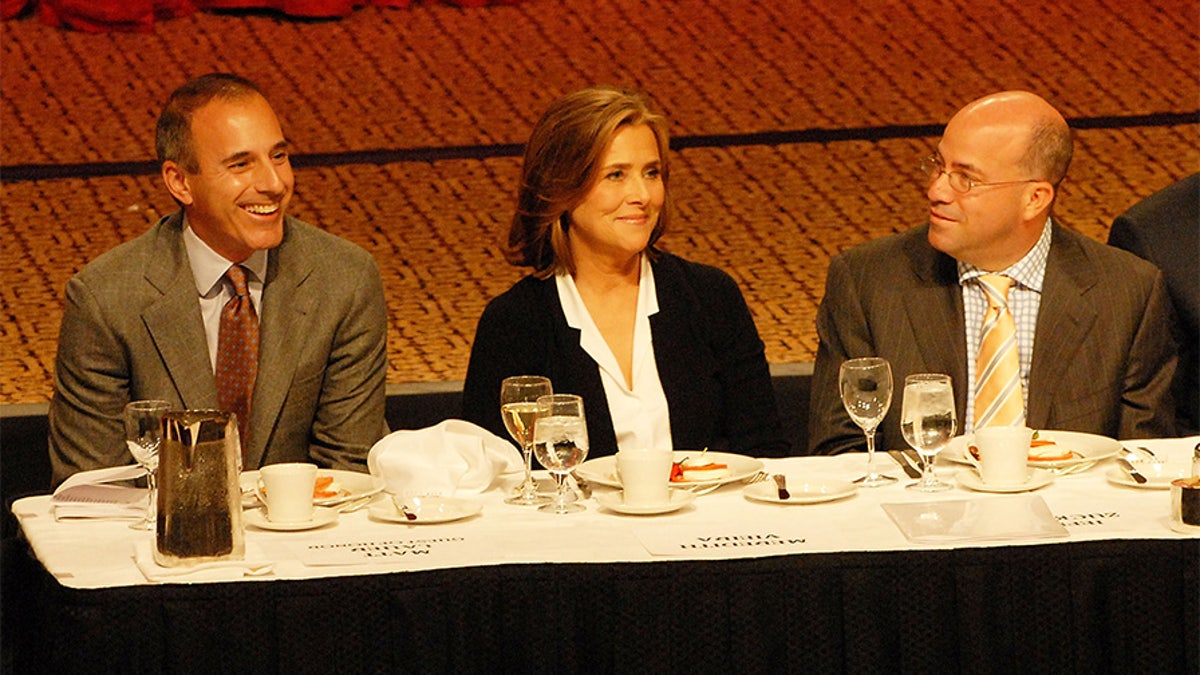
(1092,321)
(144,319)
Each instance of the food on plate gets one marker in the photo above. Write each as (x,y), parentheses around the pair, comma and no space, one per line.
(682,472)
(1040,450)
(324,488)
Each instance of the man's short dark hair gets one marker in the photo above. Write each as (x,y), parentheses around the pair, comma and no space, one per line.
(173,134)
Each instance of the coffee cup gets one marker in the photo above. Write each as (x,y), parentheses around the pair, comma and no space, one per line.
(645,476)
(1003,454)
(288,489)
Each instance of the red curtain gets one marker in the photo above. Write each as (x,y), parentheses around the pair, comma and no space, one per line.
(98,16)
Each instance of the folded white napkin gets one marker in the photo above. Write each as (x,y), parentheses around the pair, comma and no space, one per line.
(254,564)
(89,494)
(454,456)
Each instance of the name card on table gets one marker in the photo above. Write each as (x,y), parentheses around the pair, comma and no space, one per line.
(721,541)
(424,551)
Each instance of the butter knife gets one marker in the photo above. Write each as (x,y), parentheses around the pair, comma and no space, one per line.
(904,463)
(1129,468)
(781,483)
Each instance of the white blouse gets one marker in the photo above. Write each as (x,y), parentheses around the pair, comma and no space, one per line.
(640,417)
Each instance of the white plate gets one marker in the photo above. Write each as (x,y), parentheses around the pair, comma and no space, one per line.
(1158,476)
(427,509)
(1088,448)
(322,516)
(615,501)
(350,485)
(806,492)
(603,470)
(1038,478)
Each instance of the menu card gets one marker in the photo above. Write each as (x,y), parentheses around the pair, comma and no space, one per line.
(989,519)
(91,494)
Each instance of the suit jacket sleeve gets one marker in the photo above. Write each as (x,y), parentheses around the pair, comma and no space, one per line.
(507,342)
(349,416)
(842,333)
(1147,406)
(712,364)
(91,376)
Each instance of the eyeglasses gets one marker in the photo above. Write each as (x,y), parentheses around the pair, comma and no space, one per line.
(960,182)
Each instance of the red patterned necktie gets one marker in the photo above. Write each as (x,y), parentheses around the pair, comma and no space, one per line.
(237,352)
(998,398)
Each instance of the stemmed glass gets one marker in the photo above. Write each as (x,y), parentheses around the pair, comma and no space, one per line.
(560,441)
(518,407)
(143,435)
(866,388)
(928,423)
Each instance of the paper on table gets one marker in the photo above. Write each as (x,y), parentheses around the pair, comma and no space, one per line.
(255,564)
(88,494)
(991,519)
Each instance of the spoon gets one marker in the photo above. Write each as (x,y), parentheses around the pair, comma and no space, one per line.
(407,514)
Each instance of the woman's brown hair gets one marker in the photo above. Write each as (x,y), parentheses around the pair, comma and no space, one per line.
(561,165)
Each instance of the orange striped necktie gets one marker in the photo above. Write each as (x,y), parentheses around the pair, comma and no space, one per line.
(998,399)
(237,352)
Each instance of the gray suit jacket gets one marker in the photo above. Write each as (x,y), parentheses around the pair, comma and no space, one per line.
(1103,357)
(131,329)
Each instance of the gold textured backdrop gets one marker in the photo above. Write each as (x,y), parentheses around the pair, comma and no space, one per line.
(414,114)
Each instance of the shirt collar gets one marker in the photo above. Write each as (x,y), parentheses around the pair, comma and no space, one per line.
(209,267)
(575,311)
(1028,272)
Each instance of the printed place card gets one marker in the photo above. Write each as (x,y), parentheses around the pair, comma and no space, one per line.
(721,541)
(422,551)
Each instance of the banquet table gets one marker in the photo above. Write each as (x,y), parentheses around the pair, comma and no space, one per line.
(723,584)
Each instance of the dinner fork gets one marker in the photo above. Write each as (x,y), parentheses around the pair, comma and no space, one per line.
(1074,468)
(702,489)
(757,478)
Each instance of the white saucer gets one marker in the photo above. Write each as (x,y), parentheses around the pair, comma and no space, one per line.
(1158,476)
(428,510)
(615,501)
(1038,478)
(322,516)
(806,492)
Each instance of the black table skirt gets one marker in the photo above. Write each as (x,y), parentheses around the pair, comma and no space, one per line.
(1096,607)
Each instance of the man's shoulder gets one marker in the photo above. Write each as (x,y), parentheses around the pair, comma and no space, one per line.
(309,239)
(1116,264)
(1179,199)
(132,258)
(890,249)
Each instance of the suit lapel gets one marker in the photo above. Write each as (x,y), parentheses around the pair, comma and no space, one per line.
(1065,317)
(934,312)
(174,321)
(285,304)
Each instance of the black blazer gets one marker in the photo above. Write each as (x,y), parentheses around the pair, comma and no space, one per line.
(1164,228)
(710,360)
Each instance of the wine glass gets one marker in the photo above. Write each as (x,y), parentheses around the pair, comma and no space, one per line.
(143,436)
(560,441)
(866,388)
(518,407)
(928,423)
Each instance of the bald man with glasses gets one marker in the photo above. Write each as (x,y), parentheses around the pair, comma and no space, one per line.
(1092,349)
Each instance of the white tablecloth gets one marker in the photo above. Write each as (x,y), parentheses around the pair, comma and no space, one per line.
(724,524)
